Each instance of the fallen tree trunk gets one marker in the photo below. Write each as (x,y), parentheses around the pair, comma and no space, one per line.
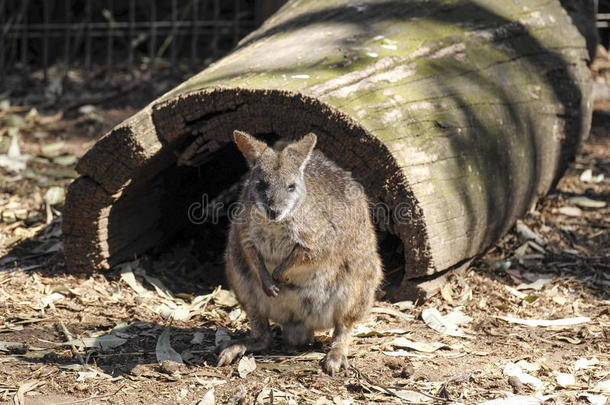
(455,115)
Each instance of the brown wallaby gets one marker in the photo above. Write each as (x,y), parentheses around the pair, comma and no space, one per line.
(307,221)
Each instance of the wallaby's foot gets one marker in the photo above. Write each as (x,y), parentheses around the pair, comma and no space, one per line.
(296,334)
(334,361)
(237,348)
(229,354)
(258,341)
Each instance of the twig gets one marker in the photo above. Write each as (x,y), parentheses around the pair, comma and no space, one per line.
(69,337)
(391,392)
(393,312)
(78,401)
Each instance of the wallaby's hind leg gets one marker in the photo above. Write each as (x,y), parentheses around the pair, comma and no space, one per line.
(296,334)
(258,341)
(336,358)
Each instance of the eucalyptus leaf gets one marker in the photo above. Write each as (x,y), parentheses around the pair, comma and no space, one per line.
(164,350)
(52,149)
(246,365)
(14,120)
(425,347)
(101,342)
(55,195)
(65,160)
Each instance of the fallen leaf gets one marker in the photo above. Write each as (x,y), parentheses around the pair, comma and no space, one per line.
(208,398)
(529,367)
(587,177)
(570,211)
(594,398)
(33,355)
(128,277)
(71,367)
(48,300)
(584,363)
(412,396)
(404,305)
(574,341)
(101,342)
(364,331)
(603,387)
(87,109)
(447,293)
(13,347)
(405,353)
(182,313)
(86,375)
(14,120)
(565,380)
(246,365)
(309,356)
(160,288)
(393,312)
(285,367)
(269,396)
(164,350)
(446,325)
(225,298)
(517,400)
(546,322)
(586,202)
(25,387)
(52,149)
(513,370)
(65,160)
(55,195)
(14,160)
(525,233)
(426,347)
(536,285)
(210,383)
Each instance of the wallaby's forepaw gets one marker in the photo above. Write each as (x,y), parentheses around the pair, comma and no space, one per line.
(230,353)
(333,362)
(271,289)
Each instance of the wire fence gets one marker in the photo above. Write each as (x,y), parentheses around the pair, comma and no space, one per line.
(124,34)
(118,34)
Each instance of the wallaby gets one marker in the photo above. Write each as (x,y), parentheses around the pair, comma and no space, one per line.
(307,221)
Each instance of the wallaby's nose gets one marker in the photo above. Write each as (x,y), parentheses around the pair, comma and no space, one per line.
(272,214)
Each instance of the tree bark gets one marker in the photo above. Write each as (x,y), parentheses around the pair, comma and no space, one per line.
(456,116)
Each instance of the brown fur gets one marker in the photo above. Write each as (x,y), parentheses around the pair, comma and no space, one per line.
(308,221)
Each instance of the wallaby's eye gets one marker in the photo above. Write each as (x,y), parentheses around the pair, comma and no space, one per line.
(292,187)
(262,185)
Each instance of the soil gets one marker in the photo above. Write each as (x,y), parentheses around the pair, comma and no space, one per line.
(47,316)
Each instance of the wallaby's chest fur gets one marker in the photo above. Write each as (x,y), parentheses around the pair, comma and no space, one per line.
(273,240)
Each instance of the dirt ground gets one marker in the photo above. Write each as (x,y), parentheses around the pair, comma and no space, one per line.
(97,339)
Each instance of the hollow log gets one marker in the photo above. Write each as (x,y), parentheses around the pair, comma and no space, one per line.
(456,116)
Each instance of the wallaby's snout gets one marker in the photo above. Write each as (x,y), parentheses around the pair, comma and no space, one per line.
(272,214)
(278,201)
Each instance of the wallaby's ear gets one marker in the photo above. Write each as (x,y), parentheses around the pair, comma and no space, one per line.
(249,146)
(302,149)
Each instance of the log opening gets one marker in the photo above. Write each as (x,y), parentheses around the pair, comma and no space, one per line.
(199,161)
